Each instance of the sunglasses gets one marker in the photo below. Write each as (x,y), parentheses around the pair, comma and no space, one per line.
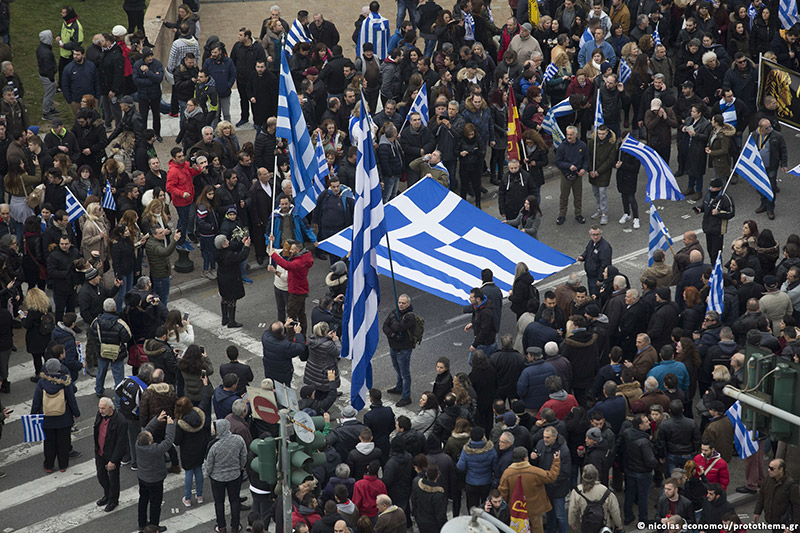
(771,468)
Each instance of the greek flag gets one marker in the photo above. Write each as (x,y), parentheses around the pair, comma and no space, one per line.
(420,104)
(81,357)
(661,184)
(375,30)
(752,12)
(74,208)
(322,169)
(715,302)
(598,112)
(108,199)
(585,38)
(795,171)
(660,238)
(624,71)
(440,244)
(746,445)
(549,72)
(787,13)
(297,34)
(750,166)
(292,126)
(549,124)
(361,329)
(33,427)
(656,36)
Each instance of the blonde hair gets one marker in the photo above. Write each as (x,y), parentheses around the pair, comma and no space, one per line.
(721,373)
(321,329)
(149,212)
(36,300)
(542,21)
(222,125)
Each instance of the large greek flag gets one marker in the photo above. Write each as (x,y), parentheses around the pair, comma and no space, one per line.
(292,126)
(74,208)
(33,427)
(360,326)
(716,289)
(750,166)
(746,445)
(660,238)
(420,104)
(440,243)
(661,184)
(375,30)
(297,34)
(549,124)
(108,199)
(787,13)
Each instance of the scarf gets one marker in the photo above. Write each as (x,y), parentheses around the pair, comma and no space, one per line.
(728,111)
(441,167)
(469,27)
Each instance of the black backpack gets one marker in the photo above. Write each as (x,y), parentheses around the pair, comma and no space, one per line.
(47,324)
(594,518)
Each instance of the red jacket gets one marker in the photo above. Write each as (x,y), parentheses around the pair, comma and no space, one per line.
(575,88)
(179,181)
(364,492)
(298,267)
(717,474)
(559,407)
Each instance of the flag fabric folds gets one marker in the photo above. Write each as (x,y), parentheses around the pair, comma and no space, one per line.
(375,30)
(795,171)
(549,125)
(585,37)
(33,428)
(750,166)
(746,445)
(292,126)
(549,72)
(420,104)
(297,34)
(360,322)
(624,71)
(518,509)
(715,294)
(787,13)
(514,127)
(322,171)
(656,36)
(660,238)
(598,112)
(108,198)
(440,243)
(661,184)
(74,208)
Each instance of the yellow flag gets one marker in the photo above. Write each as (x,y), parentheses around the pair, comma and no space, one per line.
(533,12)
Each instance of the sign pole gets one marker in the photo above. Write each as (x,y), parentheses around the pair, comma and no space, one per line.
(286,468)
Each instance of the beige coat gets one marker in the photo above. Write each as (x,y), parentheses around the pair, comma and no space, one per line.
(577,505)
(95,238)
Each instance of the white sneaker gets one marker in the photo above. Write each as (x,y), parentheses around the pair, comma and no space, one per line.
(212,274)
(626,217)
(204,274)
(186,503)
(603,220)
(635,223)
(596,215)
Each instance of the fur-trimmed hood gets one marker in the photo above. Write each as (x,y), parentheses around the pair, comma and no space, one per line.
(430,487)
(462,74)
(474,447)
(193,421)
(581,338)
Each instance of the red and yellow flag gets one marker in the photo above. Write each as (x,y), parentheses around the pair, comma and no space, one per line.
(519,509)
(514,134)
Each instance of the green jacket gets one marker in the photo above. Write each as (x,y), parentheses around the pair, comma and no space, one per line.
(158,256)
(71,37)
(605,161)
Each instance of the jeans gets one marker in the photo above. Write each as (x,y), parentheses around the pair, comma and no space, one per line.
(219,488)
(282,302)
(111,111)
(401,361)
(766,203)
(117,370)
(629,204)
(696,183)
(576,188)
(675,461)
(390,188)
(161,288)
(557,516)
(183,222)
(49,93)
(601,196)
(207,249)
(430,47)
(488,349)
(197,474)
(637,488)
(152,494)
(154,105)
(125,288)
(402,7)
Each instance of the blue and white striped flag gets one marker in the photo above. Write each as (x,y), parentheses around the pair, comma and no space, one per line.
(746,444)
(74,208)
(322,169)
(561,109)
(661,184)
(787,13)
(360,326)
(656,36)
(598,112)
(420,104)
(624,71)
(33,427)
(585,38)
(549,125)
(292,126)
(549,72)
(81,357)
(750,166)
(715,286)
(660,238)
(108,199)
(297,34)
(375,30)
(752,12)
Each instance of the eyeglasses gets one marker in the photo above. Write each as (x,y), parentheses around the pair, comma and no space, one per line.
(771,468)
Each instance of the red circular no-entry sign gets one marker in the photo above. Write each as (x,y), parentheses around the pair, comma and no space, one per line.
(265,410)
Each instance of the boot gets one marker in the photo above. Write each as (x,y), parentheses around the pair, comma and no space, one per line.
(232,316)
(224,307)
(5,388)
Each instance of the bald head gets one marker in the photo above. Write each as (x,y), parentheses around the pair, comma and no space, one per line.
(695,256)
(689,237)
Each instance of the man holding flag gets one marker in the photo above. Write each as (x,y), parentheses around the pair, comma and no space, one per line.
(718,209)
(772,148)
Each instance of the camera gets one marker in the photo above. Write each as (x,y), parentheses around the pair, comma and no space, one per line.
(294,323)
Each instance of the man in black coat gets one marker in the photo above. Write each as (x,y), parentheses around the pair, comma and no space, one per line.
(416,141)
(633,321)
(332,74)
(557,491)
(494,294)
(245,54)
(663,320)
(380,419)
(91,138)
(110,446)
(399,328)
(61,269)
(234,192)
(262,90)
(692,275)
(130,122)
(261,207)
(508,364)
(636,452)
(344,437)
(59,140)
(324,31)
(266,143)
(93,294)
(515,186)
(112,74)
(717,210)
(229,275)
(596,258)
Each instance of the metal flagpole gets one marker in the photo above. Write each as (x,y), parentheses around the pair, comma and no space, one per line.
(274,195)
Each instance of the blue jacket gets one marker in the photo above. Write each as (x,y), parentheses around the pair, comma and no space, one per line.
(302,233)
(224,74)
(530,385)
(478,459)
(51,385)
(223,402)
(64,336)
(538,334)
(79,80)
(585,54)
(614,409)
(278,355)
(148,83)
(676,367)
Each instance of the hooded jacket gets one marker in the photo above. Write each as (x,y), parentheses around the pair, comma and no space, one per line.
(227,456)
(530,386)
(580,348)
(483,322)
(398,475)
(429,504)
(390,158)
(719,143)
(278,354)
(44,55)
(603,154)
(365,491)
(52,384)
(513,190)
(715,470)
(223,401)
(224,73)
(478,459)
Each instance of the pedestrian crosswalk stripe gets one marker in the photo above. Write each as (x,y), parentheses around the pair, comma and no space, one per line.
(40,487)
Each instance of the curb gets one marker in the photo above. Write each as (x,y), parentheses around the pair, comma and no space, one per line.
(184,289)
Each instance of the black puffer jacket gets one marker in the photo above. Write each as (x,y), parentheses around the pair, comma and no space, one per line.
(580,348)
(113,330)
(323,355)
(636,451)
(677,435)
(397,475)
(429,504)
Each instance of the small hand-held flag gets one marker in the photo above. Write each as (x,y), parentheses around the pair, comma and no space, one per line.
(656,36)
(322,168)
(624,71)
(420,105)
(746,445)
(549,72)
(750,166)
(660,238)
(74,208)
(297,34)
(518,509)
(108,199)
(33,427)
(514,135)
(715,294)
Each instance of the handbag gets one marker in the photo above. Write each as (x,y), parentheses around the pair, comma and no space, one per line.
(107,351)
(34,198)
(136,355)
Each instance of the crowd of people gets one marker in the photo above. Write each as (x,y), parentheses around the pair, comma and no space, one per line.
(610,385)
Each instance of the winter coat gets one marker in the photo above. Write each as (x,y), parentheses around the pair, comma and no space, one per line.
(111,71)
(229,274)
(512,192)
(298,267)
(390,158)
(179,181)
(397,476)
(718,473)
(720,432)
(530,386)
(533,481)
(560,487)
(323,355)
(696,156)
(577,506)
(678,436)
(158,253)
(108,328)
(662,322)
(278,355)
(413,141)
(193,433)
(475,148)
(636,451)
(35,342)
(400,332)
(361,456)
(380,419)
(683,507)
(603,159)
(227,457)
(478,459)
(580,348)
(224,73)
(52,384)
(364,492)
(148,84)
(775,497)
(429,504)
(150,457)
(719,144)
(301,232)
(508,366)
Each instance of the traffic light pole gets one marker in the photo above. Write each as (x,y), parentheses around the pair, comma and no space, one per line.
(286,470)
(758,404)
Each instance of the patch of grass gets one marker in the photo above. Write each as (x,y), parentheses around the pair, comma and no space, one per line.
(29,17)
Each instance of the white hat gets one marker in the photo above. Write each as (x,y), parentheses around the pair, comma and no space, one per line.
(119,31)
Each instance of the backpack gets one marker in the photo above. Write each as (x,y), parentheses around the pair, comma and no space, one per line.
(419,329)
(54,404)
(47,324)
(533,294)
(128,404)
(594,518)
